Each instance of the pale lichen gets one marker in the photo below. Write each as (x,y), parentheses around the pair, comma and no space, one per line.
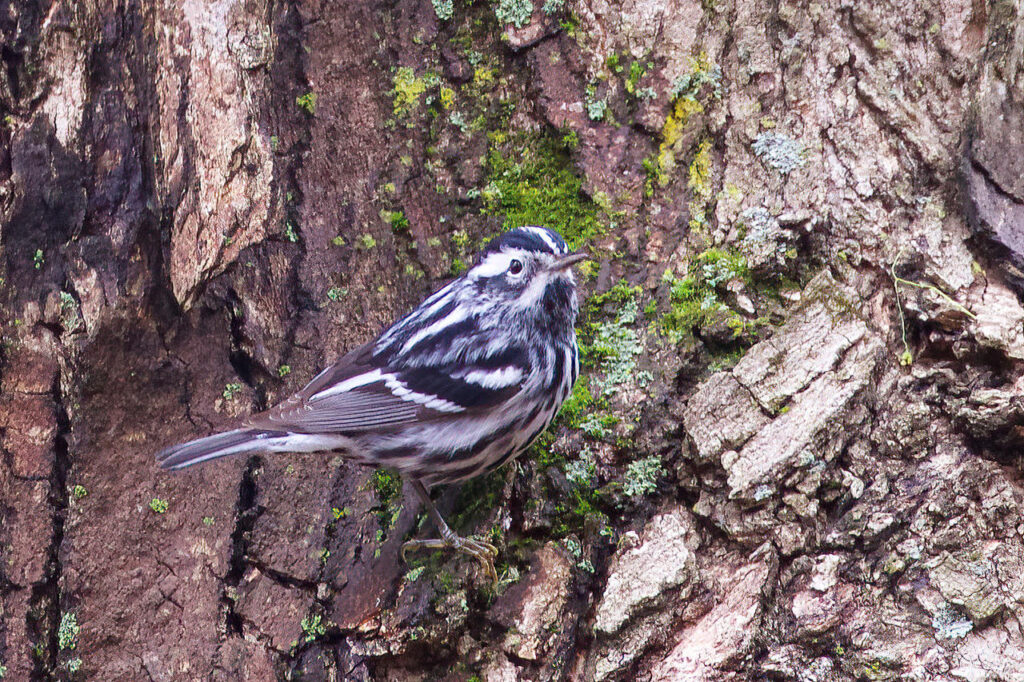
(444,9)
(515,12)
(618,346)
(580,472)
(779,151)
(642,476)
(948,623)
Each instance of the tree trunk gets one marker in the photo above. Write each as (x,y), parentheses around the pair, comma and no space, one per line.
(795,452)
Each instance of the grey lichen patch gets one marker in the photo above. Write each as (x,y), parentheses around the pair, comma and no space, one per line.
(67,631)
(515,12)
(642,476)
(641,575)
(764,243)
(949,623)
(780,152)
(618,345)
(444,9)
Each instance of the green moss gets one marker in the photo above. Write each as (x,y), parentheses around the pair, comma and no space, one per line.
(67,631)
(578,402)
(289,232)
(636,72)
(477,499)
(693,300)
(533,183)
(366,241)
(388,486)
(460,239)
(313,627)
(307,102)
(397,220)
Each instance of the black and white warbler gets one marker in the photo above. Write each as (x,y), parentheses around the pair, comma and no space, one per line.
(456,388)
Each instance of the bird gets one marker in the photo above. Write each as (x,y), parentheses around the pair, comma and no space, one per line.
(453,390)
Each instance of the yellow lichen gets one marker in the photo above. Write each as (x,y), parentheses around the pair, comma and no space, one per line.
(483,76)
(700,169)
(447,98)
(407,90)
(672,134)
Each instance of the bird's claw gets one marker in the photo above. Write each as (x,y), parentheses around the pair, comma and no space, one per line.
(482,551)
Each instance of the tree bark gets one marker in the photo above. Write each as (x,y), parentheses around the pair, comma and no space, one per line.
(796,451)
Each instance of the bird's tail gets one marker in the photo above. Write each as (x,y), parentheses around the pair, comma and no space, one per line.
(235,442)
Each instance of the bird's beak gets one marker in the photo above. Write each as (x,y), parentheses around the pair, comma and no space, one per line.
(566,262)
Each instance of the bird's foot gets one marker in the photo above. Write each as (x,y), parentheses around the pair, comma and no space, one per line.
(484,552)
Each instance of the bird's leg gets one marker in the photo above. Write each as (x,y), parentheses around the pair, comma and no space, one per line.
(484,552)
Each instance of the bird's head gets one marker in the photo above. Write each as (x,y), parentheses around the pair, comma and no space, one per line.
(528,270)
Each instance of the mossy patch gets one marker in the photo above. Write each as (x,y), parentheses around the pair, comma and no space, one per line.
(694,301)
(531,182)
(477,499)
(307,102)
(388,487)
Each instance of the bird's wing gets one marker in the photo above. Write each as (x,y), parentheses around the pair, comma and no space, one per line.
(355,394)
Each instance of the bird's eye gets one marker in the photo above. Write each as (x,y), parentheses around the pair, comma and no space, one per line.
(515,267)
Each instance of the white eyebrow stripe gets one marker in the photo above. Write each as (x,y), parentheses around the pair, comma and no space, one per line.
(458,314)
(543,234)
(350,383)
(495,264)
(495,378)
(400,390)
